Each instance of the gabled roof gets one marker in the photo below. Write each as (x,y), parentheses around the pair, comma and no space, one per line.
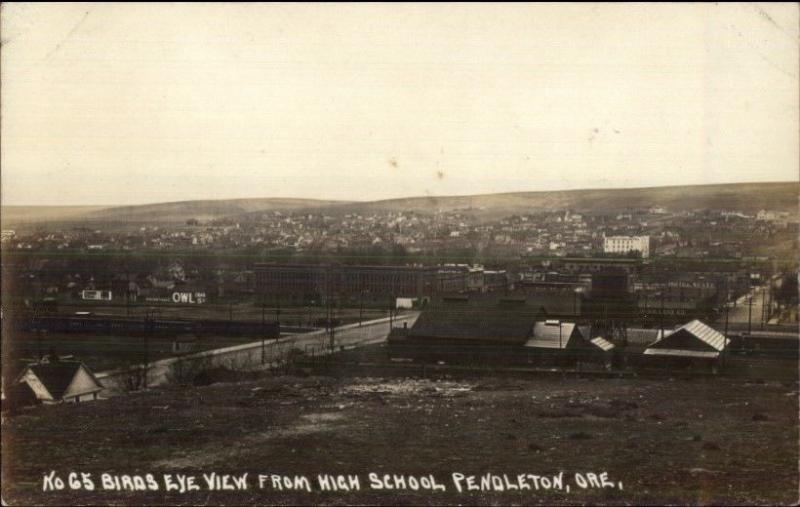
(471,323)
(56,376)
(706,333)
(694,339)
(551,334)
(21,395)
(602,343)
(681,353)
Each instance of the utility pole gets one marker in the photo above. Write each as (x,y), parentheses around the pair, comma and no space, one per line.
(332,329)
(727,310)
(763,308)
(750,314)
(769,303)
(263,340)
(38,331)
(390,312)
(150,328)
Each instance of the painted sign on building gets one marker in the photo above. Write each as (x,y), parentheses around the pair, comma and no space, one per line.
(194,298)
(96,295)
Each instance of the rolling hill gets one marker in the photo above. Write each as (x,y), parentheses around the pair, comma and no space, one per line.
(201,210)
(15,215)
(745,197)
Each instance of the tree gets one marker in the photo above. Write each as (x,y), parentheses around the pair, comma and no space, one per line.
(787,292)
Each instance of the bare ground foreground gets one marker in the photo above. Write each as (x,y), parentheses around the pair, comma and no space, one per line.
(671,441)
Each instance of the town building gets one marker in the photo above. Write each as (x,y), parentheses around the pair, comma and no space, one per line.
(56,380)
(300,282)
(692,345)
(625,244)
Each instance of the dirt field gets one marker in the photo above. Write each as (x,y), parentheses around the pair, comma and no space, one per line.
(711,441)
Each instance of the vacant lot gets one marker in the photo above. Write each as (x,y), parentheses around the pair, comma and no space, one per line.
(714,441)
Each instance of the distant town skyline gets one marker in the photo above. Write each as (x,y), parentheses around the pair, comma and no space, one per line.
(117,104)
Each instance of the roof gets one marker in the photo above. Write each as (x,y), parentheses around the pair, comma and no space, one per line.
(682,342)
(471,323)
(20,395)
(706,333)
(551,334)
(557,302)
(58,375)
(681,353)
(602,343)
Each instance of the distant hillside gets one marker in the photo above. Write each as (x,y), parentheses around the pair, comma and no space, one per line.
(201,210)
(12,215)
(746,197)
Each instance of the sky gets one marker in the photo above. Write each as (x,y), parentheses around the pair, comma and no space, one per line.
(138,103)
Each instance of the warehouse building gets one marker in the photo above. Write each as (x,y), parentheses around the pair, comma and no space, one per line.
(309,282)
(692,345)
(625,244)
(57,381)
(497,328)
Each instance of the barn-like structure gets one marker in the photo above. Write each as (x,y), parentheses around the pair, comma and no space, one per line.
(57,381)
(692,345)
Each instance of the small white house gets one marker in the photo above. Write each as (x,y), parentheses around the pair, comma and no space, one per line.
(694,340)
(58,381)
(555,334)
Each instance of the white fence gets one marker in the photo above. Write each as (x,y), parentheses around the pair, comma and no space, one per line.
(249,356)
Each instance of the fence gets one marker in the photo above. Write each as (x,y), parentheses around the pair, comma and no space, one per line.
(255,355)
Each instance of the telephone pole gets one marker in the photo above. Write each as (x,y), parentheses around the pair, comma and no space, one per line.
(37,329)
(332,329)
(727,310)
(769,303)
(361,307)
(149,328)
(263,316)
(263,339)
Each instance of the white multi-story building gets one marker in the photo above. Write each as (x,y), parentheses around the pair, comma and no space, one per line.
(624,244)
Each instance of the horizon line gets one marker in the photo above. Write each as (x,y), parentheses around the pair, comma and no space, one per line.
(345,201)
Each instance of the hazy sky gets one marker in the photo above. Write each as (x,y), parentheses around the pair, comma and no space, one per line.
(125,104)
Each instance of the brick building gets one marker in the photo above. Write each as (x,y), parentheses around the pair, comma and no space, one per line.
(307,282)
